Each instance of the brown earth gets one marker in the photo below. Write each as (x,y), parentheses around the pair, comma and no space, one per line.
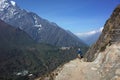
(105,67)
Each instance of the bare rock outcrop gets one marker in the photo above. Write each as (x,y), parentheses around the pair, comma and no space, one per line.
(105,67)
(110,35)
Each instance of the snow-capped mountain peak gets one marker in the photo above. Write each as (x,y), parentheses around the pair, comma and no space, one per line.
(1,1)
(13,3)
(6,3)
(3,4)
(8,8)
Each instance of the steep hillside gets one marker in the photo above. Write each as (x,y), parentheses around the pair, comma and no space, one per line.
(10,35)
(38,28)
(21,56)
(110,34)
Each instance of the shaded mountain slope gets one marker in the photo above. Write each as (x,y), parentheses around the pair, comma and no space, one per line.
(10,35)
(21,55)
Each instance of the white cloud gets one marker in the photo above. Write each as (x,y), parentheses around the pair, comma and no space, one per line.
(101,29)
(89,33)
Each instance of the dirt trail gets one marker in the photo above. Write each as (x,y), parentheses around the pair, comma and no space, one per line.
(79,70)
(105,67)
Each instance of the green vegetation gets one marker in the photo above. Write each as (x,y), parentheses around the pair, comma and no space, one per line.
(38,59)
(21,56)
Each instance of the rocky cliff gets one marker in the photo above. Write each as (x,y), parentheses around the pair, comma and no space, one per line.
(110,34)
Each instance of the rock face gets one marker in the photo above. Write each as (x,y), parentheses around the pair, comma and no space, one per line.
(39,29)
(110,34)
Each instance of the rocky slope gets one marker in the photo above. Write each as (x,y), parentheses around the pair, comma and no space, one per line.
(105,67)
(38,28)
(110,34)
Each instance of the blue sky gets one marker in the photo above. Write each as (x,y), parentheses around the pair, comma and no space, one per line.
(78,16)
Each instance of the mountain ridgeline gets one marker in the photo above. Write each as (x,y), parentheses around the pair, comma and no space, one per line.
(110,35)
(39,29)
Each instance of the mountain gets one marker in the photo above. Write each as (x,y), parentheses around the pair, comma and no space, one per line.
(90,40)
(90,37)
(39,29)
(110,35)
(21,56)
(10,35)
(101,62)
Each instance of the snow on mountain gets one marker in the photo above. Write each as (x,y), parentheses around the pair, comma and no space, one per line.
(91,36)
(6,3)
(39,26)
(8,9)
(3,5)
(13,3)
(2,1)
